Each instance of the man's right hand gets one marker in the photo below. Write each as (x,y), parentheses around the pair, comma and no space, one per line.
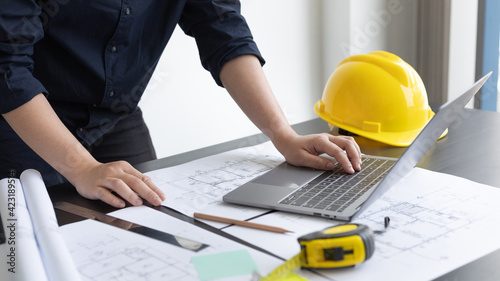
(102,180)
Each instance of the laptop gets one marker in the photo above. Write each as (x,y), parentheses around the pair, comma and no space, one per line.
(336,194)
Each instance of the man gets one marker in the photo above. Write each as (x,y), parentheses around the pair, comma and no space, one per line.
(73,71)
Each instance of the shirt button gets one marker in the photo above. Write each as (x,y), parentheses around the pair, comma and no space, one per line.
(111,93)
(80,129)
(113,49)
(127,11)
(94,105)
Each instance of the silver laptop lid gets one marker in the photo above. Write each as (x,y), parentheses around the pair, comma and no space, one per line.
(447,113)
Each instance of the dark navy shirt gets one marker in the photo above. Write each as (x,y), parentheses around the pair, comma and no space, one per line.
(94,58)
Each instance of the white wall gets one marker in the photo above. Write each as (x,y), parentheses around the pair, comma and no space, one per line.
(186,110)
(463,36)
(361,26)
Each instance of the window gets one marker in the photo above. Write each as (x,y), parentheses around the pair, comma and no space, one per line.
(488,50)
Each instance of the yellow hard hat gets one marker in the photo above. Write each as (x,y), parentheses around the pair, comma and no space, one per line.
(378,96)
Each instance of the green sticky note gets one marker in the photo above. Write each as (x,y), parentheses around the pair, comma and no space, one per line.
(222,265)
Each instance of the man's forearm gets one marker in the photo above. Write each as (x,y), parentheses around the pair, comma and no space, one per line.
(244,79)
(41,129)
(38,125)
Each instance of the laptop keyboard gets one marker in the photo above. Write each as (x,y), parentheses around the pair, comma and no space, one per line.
(336,190)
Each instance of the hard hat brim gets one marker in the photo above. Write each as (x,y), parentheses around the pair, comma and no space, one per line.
(401,139)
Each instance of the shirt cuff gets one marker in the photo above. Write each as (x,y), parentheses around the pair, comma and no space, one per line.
(17,87)
(232,54)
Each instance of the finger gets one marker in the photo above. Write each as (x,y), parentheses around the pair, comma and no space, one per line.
(346,143)
(354,155)
(342,159)
(334,150)
(353,152)
(123,188)
(146,188)
(147,180)
(358,149)
(142,189)
(317,162)
(107,197)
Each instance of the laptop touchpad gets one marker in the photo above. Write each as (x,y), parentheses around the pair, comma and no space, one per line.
(287,175)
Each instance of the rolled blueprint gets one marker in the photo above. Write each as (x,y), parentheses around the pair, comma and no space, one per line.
(55,255)
(23,260)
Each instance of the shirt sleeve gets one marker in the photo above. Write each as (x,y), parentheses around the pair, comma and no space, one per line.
(220,31)
(20,29)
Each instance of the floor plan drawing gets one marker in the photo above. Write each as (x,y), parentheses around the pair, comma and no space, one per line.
(438,221)
(434,219)
(198,186)
(103,252)
(438,216)
(111,258)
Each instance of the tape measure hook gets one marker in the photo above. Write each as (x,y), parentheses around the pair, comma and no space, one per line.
(387,222)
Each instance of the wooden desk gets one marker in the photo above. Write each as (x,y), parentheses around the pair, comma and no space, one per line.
(470,150)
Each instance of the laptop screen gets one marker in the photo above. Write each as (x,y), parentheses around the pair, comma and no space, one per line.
(448,113)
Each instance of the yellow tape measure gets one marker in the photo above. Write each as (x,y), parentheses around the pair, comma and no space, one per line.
(334,247)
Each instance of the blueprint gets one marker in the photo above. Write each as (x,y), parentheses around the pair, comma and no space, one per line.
(198,186)
(438,222)
(103,252)
(115,255)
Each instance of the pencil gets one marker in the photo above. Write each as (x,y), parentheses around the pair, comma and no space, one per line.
(241,223)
